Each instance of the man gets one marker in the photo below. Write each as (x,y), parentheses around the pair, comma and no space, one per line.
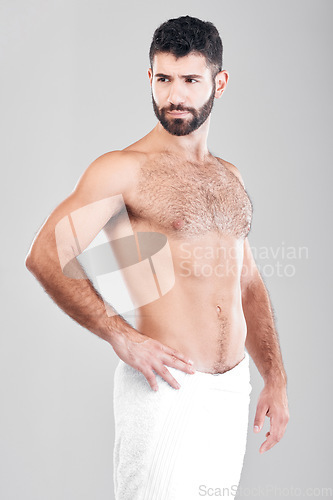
(186,439)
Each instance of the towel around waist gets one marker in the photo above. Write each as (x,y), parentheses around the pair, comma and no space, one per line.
(237,379)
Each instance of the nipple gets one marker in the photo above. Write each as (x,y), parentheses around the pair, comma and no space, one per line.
(178,223)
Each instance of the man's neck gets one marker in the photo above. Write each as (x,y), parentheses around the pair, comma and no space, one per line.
(192,146)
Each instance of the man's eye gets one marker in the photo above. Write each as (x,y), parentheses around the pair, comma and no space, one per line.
(191,80)
(160,79)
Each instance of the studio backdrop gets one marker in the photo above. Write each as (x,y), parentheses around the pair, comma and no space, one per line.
(74,86)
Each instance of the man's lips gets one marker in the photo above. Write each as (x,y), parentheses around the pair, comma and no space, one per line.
(178,113)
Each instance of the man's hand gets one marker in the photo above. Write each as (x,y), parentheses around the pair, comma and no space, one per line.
(146,354)
(272,402)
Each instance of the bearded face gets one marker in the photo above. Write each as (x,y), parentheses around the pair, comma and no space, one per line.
(185,123)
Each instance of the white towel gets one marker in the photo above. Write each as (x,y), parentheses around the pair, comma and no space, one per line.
(180,444)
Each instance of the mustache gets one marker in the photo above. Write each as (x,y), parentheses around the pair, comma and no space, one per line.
(178,108)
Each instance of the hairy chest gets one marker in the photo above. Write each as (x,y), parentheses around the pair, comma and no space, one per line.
(190,200)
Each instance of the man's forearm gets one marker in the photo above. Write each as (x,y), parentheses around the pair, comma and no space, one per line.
(262,340)
(78,298)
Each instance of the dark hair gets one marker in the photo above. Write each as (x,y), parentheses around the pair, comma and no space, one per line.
(186,34)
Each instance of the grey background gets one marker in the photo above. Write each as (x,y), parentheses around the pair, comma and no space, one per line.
(74,85)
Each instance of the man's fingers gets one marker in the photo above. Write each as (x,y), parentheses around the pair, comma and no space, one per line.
(177,360)
(271,441)
(166,375)
(275,434)
(178,363)
(268,444)
(151,378)
(259,419)
(176,354)
(161,355)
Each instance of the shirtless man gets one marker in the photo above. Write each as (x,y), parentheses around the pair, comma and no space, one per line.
(173,185)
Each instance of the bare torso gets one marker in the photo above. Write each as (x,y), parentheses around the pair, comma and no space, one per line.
(205,214)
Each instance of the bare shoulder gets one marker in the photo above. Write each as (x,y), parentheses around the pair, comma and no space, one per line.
(94,200)
(114,171)
(232,169)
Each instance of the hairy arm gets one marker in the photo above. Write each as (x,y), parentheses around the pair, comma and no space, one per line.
(53,246)
(98,196)
(262,340)
(262,344)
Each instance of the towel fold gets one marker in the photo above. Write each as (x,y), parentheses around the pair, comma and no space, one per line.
(180,444)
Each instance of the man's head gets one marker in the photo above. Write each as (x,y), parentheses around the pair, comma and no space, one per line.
(186,56)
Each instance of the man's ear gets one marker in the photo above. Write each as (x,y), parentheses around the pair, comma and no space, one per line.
(150,76)
(221,80)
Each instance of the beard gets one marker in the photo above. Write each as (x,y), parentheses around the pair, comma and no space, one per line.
(186,125)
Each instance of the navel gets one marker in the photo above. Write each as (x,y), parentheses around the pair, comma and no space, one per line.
(218,309)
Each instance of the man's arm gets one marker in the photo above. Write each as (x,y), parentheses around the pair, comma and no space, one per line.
(262,343)
(263,346)
(94,200)
(262,340)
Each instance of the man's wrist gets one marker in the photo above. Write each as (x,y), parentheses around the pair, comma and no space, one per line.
(277,378)
(115,330)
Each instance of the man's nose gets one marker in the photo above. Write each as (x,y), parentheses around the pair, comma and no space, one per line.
(177,93)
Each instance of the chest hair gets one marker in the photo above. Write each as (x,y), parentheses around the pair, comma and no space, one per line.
(189,199)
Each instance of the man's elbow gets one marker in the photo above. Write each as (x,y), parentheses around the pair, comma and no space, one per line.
(33,259)
(28,261)
(31,263)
